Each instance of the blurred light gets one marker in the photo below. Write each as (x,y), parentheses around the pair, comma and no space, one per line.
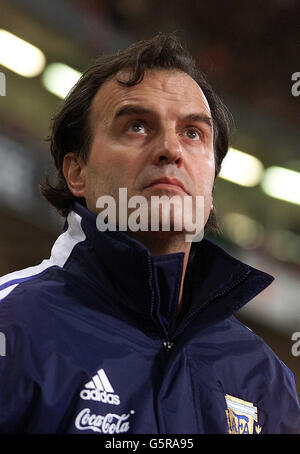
(241,168)
(2,84)
(20,56)
(59,78)
(284,245)
(283,184)
(243,230)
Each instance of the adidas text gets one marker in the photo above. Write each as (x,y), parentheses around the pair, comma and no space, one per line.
(100,396)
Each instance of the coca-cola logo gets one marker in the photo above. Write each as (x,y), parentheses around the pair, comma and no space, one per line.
(108,424)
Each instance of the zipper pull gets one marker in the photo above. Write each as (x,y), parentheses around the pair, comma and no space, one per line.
(168,345)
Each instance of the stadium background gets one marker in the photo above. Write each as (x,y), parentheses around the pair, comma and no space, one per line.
(249,51)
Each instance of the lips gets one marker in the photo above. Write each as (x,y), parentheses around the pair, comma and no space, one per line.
(168,181)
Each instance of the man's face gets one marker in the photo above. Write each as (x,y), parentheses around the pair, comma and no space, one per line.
(160,128)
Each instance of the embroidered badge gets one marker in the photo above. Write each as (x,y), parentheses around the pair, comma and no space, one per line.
(241,416)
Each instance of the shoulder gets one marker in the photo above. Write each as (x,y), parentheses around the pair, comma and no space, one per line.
(254,341)
(24,293)
(274,369)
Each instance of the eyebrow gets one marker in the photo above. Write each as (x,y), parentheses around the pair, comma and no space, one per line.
(131,109)
(139,110)
(200,118)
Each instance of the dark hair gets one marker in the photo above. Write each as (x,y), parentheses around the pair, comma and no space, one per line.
(71,131)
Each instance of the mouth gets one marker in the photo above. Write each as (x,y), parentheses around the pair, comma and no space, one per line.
(168,183)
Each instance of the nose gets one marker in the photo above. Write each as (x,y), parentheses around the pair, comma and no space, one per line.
(168,149)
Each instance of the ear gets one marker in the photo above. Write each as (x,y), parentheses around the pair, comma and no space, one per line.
(74,173)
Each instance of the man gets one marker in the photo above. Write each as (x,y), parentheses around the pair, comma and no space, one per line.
(132,331)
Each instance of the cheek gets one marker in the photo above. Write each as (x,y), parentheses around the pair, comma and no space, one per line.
(107,174)
(205,176)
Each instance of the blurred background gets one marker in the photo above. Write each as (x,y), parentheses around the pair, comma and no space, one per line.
(250,53)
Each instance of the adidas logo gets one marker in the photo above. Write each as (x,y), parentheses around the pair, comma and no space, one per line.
(100,389)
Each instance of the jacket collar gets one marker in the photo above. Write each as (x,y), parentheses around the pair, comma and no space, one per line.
(216,283)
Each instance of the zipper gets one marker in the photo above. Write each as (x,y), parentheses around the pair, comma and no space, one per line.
(166,342)
(149,269)
(168,345)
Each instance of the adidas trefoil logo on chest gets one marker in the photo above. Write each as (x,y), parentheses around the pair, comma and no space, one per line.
(100,389)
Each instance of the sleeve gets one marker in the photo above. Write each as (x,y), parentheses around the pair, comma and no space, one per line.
(17,389)
(282,410)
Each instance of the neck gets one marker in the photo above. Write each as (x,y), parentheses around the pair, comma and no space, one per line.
(161,243)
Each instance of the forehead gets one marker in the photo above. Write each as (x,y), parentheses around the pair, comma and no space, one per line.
(159,89)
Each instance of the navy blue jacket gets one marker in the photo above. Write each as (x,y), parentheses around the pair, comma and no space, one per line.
(93,343)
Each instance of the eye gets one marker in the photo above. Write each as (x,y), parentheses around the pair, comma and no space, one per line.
(137,127)
(193,134)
